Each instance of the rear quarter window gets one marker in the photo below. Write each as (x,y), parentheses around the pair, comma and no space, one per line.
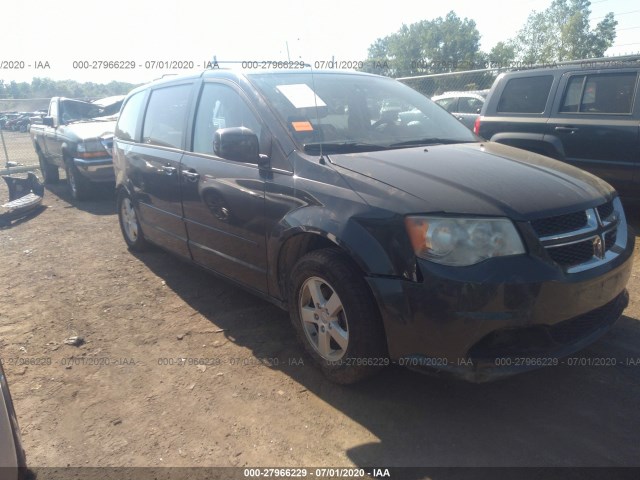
(127,125)
(525,94)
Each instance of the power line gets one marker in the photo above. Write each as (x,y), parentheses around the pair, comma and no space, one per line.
(616,14)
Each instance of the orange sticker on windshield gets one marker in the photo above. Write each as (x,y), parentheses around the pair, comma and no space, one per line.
(302,126)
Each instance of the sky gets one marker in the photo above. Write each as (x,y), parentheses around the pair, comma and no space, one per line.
(138,33)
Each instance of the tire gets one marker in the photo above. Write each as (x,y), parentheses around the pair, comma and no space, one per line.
(79,186)
(336,317)
(50,173)
(129,223)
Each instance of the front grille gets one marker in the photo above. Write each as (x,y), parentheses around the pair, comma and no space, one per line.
(605,210)
(539,340)
(576,328)
(584,239)
(573,254)
(610,239)
(545,227)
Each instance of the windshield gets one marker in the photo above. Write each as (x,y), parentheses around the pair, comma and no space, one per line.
(346,112)
(77,110)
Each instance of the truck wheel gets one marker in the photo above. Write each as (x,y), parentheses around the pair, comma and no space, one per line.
(50,173)
(79,187)
(336,317)
(129,223)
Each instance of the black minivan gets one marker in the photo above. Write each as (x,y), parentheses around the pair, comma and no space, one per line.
(390,234)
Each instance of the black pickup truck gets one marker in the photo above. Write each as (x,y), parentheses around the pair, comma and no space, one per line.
(76,136)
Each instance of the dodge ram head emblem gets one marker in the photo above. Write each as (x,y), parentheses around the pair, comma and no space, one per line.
(598,249)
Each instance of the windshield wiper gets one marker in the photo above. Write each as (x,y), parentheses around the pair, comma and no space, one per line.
(429,141)
(343,147)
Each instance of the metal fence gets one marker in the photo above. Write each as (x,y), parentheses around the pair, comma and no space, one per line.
(438,83)
(464,81)
(16,150)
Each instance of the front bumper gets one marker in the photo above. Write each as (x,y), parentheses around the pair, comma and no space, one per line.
(98,170)
(469,321)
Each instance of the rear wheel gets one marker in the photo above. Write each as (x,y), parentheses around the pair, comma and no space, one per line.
(50,173)
(129,223)
(336,317)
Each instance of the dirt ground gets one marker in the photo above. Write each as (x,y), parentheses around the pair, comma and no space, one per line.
(134,394)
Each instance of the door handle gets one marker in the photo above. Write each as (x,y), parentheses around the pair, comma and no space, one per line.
(566,129)
(191,175)
(169,170)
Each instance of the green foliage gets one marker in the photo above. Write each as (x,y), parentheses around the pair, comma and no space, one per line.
(451,44)
(430,46)
(562,32)
(502,54)
(46,88)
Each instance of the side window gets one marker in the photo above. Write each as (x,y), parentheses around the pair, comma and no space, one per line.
(220,106)
(128,121)
(602,93)
(449,104)
(164,122)
(525,95)
(469,105)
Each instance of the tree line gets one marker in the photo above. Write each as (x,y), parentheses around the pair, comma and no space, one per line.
(562,32)
(47,88)
(451,44)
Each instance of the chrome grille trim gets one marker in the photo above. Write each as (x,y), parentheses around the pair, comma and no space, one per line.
(592,226)
(597,231)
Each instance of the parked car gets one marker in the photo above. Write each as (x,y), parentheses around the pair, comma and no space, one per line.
(465,106)
(12,457)
(585,114)
(75,136)
(10,120)
(24,121)
(387,240)
(5,117)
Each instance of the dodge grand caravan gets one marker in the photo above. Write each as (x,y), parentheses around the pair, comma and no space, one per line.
(390,235)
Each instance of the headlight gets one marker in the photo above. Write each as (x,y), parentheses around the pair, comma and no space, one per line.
(91,149)
(462,241)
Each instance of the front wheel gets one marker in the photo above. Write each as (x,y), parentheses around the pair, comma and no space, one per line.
(129,223)
(336,316)
(79,186)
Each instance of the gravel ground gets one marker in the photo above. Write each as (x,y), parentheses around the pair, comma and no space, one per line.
(179,368)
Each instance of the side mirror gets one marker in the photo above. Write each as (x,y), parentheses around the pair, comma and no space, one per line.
(239,144)
(48,121)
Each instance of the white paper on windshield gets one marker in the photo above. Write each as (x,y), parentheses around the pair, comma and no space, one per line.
(301,96)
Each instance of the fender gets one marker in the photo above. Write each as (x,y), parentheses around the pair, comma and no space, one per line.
(534,142)
(354,237)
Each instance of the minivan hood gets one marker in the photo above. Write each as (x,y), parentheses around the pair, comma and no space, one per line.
(479,179)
